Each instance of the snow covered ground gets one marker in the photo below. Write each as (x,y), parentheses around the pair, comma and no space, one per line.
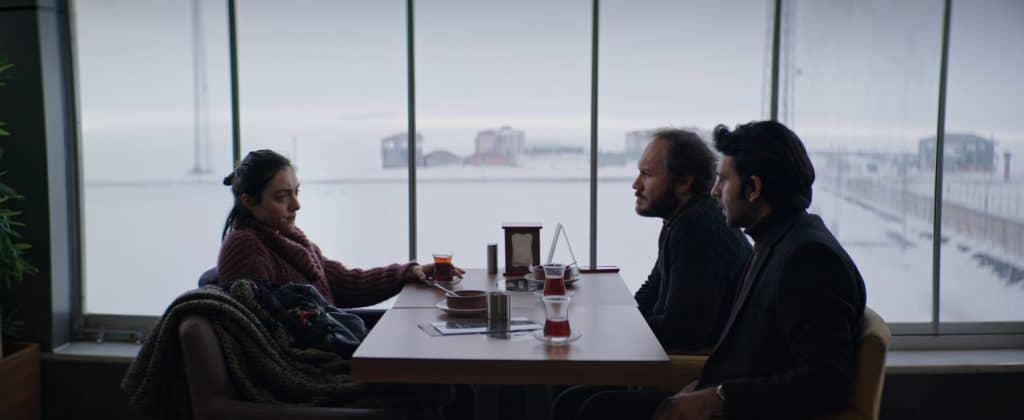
(151,243)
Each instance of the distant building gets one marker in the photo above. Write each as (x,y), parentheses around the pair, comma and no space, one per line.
(556,150)
(636,141)
(394,151)
(499,147)
(963,153)
(611,158)
(441,158)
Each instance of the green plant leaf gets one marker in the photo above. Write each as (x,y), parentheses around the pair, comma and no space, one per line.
(11,325)
(13,265)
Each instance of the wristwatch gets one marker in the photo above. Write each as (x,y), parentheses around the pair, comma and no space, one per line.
(720,393)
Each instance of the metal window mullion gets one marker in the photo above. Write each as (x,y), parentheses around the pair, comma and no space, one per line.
(940,135)
(593,133)
(411,136)
(776,51)
(76,201)
(236,135)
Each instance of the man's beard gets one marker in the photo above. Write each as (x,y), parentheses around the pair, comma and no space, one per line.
(738,215)
(662,206)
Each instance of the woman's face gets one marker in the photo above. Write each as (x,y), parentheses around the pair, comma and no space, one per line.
(279,203)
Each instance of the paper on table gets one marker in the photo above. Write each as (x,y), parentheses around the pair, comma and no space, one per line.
(478,326)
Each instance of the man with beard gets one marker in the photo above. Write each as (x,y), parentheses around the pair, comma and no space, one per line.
(687,296)
(788,349)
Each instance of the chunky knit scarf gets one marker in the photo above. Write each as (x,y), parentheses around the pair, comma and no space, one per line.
(258,356)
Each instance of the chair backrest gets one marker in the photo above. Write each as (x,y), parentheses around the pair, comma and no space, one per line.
(866,393)
(206,373)
(210,276)
(213,395)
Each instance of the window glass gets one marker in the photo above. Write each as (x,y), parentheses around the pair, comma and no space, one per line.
(859,85)
(669,64)
(155,142)
(982,261)
(503,102)
(324,83)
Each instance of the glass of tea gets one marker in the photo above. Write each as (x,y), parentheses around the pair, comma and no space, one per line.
(554,280)
(443,269)
(556,323)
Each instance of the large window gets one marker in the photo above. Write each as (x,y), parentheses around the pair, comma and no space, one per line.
(858,84)
(982,263)
(660,66)
(323,82)
(503,96)
(503,107)
(155,141)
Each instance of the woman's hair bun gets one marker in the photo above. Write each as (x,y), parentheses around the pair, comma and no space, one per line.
(230,179)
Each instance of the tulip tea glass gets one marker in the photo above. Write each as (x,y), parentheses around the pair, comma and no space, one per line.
(443,269)
(556,323)
(554,280)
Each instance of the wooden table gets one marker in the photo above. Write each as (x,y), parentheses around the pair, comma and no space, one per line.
(599,289)
(616,347)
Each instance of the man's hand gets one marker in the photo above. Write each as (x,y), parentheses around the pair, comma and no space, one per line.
(689,404)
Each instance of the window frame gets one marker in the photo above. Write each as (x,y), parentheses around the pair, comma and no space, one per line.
(934,334)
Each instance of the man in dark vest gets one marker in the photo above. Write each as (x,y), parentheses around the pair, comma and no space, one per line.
(788,348)
(687,297)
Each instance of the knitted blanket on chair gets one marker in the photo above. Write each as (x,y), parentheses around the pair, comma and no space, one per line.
(259,356)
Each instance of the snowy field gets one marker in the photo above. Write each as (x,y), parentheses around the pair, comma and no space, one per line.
(150,242)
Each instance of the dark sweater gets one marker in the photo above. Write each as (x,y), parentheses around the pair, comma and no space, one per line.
(255,251)
(687,297)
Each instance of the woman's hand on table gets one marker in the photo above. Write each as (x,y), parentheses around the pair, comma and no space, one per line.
(426,271)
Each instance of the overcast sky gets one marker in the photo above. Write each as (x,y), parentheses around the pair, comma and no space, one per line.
(863,74)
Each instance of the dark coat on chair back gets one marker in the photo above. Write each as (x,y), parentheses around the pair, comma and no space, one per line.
(788,349)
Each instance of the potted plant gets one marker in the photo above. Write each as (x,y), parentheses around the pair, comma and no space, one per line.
(19,362)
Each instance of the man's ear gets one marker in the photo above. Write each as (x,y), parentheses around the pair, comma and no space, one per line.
(755,189)
(684,186)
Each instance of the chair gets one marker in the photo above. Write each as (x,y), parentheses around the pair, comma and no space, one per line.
(683,369)
(213,396)
(866,393)
(868,379)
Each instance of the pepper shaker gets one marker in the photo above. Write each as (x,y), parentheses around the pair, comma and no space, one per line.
(492,258)
(498,308)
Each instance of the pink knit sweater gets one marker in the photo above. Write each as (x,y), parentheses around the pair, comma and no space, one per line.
(255,251)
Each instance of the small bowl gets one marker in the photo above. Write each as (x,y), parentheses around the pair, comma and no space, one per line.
(468,299)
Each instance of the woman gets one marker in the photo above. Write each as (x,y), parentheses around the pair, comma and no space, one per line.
(261,241)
